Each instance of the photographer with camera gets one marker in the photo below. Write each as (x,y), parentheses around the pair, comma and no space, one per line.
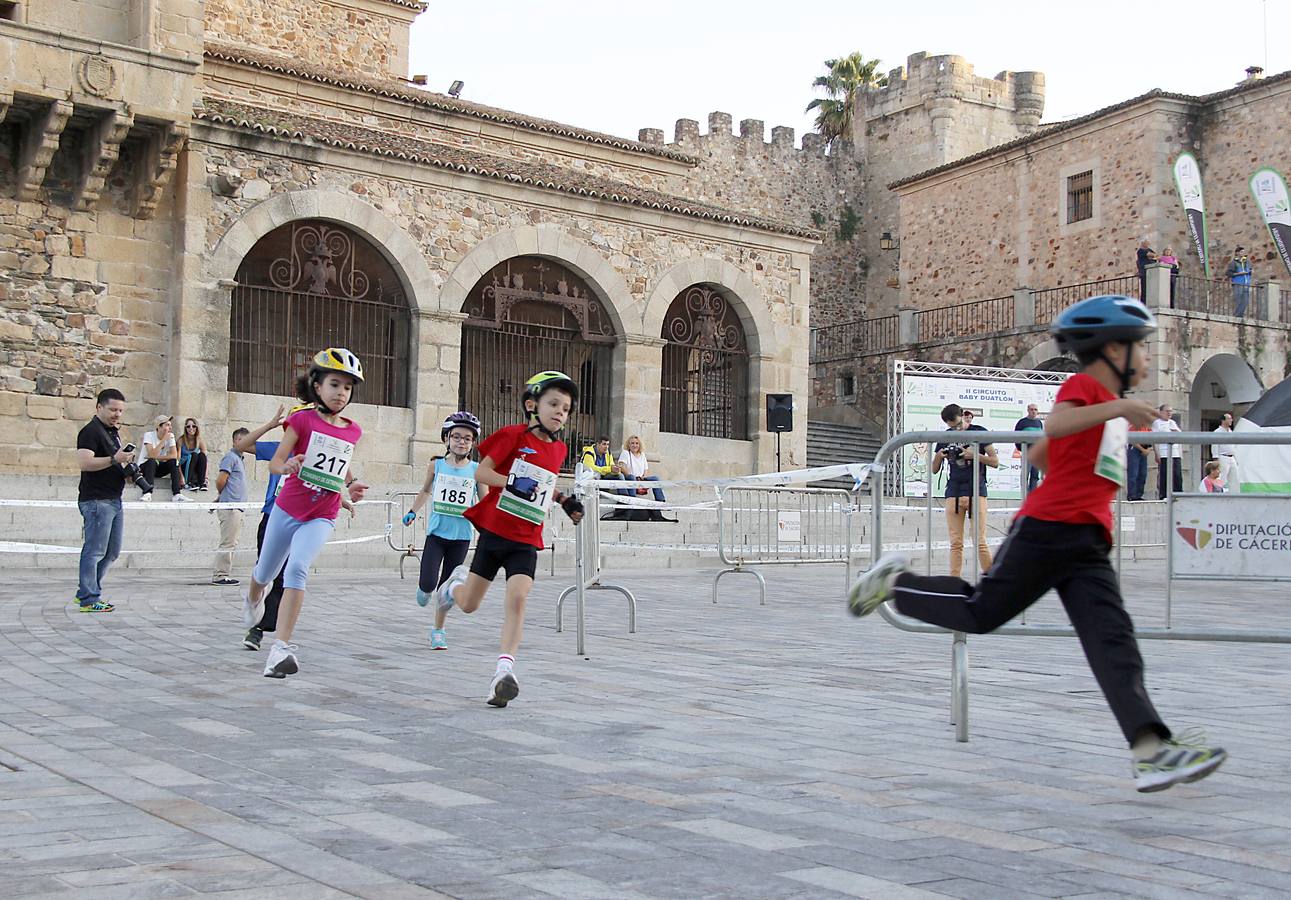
(105,464)
(964,460)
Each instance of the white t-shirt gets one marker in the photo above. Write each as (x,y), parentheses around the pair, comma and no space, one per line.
(150,439)
(1223,449)
(1174,450)
(635,462)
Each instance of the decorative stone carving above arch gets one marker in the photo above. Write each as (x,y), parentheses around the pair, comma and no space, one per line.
(734,284)
(554,243)
(382,231)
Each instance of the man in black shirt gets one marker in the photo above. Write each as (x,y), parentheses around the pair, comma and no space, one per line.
(1144,256)
(1029,422)
(963,460)
(98,450)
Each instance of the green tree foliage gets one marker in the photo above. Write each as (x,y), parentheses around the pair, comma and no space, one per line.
(845,79)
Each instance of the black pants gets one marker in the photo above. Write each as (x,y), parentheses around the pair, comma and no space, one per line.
(270,620)
(438,560)
(1035,557)
(1176,475)
(151,468)
(195,469)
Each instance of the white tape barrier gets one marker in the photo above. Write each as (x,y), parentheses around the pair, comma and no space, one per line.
(858,471)
(19,547)
(160,505)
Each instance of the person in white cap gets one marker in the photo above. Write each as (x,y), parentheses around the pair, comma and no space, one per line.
(159,455)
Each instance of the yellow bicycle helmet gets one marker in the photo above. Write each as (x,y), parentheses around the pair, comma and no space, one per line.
(338,359)
(544,381)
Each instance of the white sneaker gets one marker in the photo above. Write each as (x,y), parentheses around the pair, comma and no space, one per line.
(251,615)
(443,599)
(1183,758)
(503,689)
(180,498)
(146,498)
(281,661)
(874,586)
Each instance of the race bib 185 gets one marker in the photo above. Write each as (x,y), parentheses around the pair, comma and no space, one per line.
(452,494)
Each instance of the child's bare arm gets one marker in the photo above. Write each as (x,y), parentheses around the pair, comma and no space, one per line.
(1070,418)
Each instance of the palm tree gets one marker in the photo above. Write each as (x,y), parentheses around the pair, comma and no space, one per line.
(847,77)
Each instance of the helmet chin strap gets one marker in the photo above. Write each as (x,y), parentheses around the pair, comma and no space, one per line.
(1126,373)
(535,422)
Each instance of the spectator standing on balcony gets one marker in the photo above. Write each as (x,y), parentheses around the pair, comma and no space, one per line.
(1239,273)
(1145,255)
(1224,453)
(1167,258)
(1029,422)
(1169,456)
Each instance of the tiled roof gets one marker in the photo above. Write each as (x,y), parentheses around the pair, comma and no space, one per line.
(399,91)
(419,5)
(364,140)
(1058,127)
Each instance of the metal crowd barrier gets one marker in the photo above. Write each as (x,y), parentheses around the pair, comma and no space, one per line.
(959,647)
(768,526)
(587,567)
(408,546)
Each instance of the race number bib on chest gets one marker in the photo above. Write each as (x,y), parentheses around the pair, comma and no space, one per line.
(528,492)
(1112,451)
(327,459)
(452,494)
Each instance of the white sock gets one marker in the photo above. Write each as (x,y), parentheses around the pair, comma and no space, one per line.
(505,663)
(1146,746)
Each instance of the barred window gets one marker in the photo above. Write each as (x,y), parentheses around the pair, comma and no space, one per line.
(1080,197)
(705,382)
(308,285)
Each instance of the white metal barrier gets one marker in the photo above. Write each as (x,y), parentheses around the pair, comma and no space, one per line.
(407,547)
(959,648)
(587,569)
(782,525)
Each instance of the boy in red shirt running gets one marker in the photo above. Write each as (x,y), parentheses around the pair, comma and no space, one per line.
(518,465)
(1062,535)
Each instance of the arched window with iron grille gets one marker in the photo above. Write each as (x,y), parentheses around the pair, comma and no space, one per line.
(705,383)
(308,285)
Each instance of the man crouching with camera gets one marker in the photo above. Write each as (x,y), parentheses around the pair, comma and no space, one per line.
(105,464)
(964,460)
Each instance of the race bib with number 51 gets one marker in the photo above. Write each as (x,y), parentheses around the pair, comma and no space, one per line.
(452,494)
(528,492)
(327,459)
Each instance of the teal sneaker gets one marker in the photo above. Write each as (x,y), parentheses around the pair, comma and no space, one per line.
(96,607)
(1183,758)
(438,639)
(422,597)
(874,586)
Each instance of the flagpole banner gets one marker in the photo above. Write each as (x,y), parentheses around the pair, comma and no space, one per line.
(1187,178)
(1270,191)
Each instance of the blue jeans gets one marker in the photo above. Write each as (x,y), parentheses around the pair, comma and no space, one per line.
(1137,474)
(104,528)
(1241,298)
(658,492)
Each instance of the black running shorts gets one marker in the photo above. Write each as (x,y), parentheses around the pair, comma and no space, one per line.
(493,553)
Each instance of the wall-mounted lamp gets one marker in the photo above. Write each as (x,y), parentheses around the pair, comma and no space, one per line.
(888,242)
(455,89)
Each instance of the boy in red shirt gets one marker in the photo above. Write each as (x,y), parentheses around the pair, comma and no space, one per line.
(518,465)
(1062,535)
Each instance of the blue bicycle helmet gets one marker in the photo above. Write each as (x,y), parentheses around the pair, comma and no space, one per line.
(1086,327)
(1091,323)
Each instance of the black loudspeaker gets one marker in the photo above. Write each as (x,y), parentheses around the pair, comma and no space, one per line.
(779,412)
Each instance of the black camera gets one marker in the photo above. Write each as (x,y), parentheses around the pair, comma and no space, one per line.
(132,472)
(954,451)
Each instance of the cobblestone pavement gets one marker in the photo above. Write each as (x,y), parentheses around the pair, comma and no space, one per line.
(725,750)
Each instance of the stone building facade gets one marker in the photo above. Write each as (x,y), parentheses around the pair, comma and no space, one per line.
(189,243)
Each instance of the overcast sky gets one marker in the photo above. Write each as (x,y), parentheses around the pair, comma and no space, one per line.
(618,67)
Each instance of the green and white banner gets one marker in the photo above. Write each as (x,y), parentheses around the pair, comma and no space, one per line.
(1270,191)
(1187,178)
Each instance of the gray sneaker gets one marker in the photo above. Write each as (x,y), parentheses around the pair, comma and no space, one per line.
(441,595)
(253,639)
(874,586)
(1183,758)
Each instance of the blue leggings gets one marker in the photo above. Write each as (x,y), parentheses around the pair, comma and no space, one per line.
(294,542)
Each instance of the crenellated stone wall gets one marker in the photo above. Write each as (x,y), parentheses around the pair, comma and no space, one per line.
(365,36)
(803,185)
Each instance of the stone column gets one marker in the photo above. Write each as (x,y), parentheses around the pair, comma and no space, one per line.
(907,325)
(1275,300)
(641,377)
(1023,307)
(1158,284)
(437,379)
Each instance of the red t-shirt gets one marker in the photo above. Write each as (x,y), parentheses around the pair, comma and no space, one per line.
(1071,491)
(504,447)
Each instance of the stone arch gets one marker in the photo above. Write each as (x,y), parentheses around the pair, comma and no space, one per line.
(1223,380)
(1043,352)
(554,243)
(734,285)
(344,208)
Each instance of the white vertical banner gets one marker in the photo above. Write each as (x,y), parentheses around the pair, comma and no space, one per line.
(1187,178)
(1270,191)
